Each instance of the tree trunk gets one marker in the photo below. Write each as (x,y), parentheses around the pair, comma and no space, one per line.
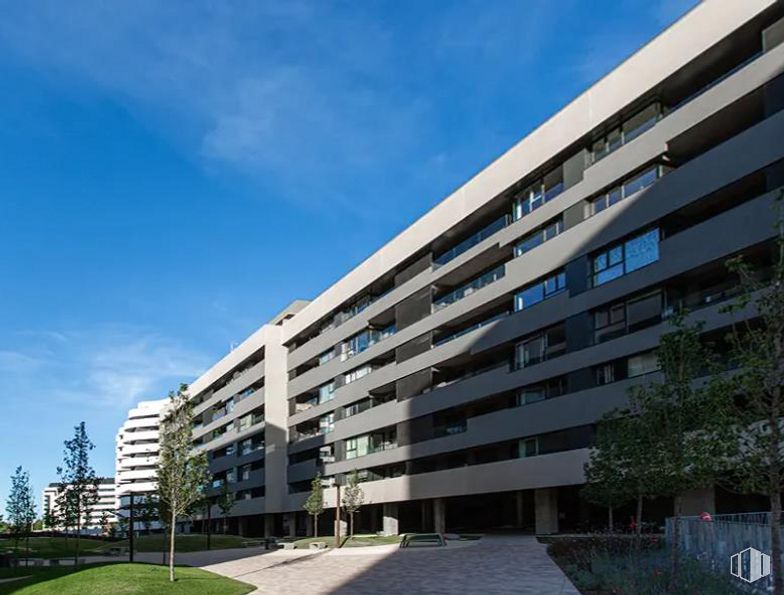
(78,536)
(172,528)
(638,529)
(351,524)
(675,548)
(775,542)
(610,521)
(315,525)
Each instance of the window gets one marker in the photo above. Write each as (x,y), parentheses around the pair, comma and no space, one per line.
(540,291)
(326,392)
(357,447)
(625,258)
(529,447)
(605,374)
(358,373)
(244,473)
(627,317)
(244,422)
(327,423)
(627,132)
(628,188)
(538,237)
(538,193)
(549,344)
(548,389)
(643,363)
(326,356)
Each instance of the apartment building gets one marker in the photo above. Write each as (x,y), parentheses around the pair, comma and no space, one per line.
(136,461)
(103,510)
(461,369)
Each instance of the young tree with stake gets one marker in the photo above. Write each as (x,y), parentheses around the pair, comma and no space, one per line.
(314,505)
(20,507)
(353,499)
(182,471)
(226,502)
(78,482)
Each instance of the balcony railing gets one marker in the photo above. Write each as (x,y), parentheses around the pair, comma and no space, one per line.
(469,288)
(471,241)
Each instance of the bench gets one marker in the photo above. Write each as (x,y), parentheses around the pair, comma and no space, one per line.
(422,540)
(255,543)
(318,545)
(288,545)
(117,550)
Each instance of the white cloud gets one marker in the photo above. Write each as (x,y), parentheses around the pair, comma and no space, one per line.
(108,367)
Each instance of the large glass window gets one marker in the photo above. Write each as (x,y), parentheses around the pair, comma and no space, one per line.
(551,343)
(644,363)
(538,193)
(625,317)
(630,129)
(540,291)
(327,423)
(326,392)
(625,258)
(540,236)
(626,189)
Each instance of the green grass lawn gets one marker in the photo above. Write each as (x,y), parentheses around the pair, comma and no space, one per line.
(59,547)
(54,547)
(120,579)
(185,543)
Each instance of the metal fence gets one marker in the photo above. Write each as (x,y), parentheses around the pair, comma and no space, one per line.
(715,542)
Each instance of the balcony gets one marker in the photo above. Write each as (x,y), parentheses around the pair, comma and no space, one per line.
(469,288)
(471,241)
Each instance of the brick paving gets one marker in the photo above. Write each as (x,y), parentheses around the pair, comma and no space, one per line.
(494,565)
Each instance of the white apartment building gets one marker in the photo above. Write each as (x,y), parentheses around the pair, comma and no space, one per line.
(103,508)
(137,455)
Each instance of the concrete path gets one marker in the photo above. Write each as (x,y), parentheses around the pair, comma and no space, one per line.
(494,565)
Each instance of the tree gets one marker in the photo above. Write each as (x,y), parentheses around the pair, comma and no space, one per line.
(758,352)
(607,478)
(182,471)
(353,499)
(314,505)
(20,506)
(226,502)
(686,422)
(148,511)
(105,523)
(78,482)
(50,518)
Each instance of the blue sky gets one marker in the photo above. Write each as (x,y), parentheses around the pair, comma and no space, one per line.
(174,173)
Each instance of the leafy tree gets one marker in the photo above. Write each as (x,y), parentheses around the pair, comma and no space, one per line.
(51,518)
(38,525)
(78,482)
(105,523)
(182,472)
(686,423)
(148,511)
(353,498)
(758,351)
(314,505)
(225,503)
(20,506)
(607,478)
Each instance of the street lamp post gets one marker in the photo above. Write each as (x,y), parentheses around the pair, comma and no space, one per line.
(130,531)
(338,484)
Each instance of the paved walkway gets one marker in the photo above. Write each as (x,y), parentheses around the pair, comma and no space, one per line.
(494,565)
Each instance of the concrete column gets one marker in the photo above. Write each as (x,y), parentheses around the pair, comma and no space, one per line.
(546,510)
(390,515)
(519,519)
(697,501)
(291,524)
(269,525)
(439,515)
